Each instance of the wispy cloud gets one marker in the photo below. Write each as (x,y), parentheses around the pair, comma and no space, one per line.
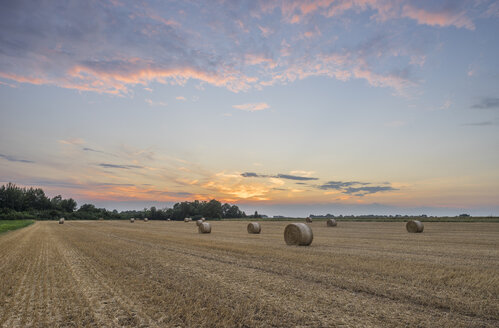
(91,52)
(155,103)
(73,141)
(278,176)
(354,187)
(441,18)
(483,123)
(93,150)
(487,103)
(252,107)
(15,159)
(295,177)
(120,166)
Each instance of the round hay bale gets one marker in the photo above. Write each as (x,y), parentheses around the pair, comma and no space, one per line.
(309,220)
(169,220)
(61,221)
(132,220)
(331,223)
(254,227)
(298,234)
(204,227)
(414,226)
(199,222)
(146,220)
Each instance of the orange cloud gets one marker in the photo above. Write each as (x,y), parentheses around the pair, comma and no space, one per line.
(128,193)
(24,79)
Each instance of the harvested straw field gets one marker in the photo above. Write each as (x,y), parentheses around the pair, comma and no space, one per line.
(166,274)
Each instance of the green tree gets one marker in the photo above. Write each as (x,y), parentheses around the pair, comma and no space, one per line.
(213,209)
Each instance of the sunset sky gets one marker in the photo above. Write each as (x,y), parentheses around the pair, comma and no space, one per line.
(286,107)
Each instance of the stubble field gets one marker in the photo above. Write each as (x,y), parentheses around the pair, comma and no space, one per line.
(165,274)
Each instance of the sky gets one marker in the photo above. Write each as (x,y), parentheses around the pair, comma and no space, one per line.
(286,107)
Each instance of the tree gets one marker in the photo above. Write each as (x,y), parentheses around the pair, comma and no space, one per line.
(225,210)
(213,209)
(87,208)
(68,205)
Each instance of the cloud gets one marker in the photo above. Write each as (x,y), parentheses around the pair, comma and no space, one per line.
(361,191)
(484,123)
(181,98)
(252,175)
(487,103)
(398,81)
(297,11)
(252,107)
(294,177)
(93,150)
(493,10)
(441,18)
(278,176)
(15,159)
(339,185)
(73,141)
(146,43)
(155,103)
(118,166)
(302,173)
(354,187)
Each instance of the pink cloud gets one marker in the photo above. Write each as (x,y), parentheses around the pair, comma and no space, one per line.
(24,79)
(252,107)
(295,11)
(442,18)
(112,78)
(257,59)
(400,84)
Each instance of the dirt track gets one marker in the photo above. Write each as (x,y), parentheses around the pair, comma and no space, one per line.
(165,274)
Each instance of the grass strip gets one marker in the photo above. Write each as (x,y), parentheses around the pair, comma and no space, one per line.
(8,225)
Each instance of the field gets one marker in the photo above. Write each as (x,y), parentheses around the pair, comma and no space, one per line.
(165,274)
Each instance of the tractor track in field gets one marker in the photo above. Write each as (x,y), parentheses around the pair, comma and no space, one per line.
(110,305)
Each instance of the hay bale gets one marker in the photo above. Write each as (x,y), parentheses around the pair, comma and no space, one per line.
(187,220)
(146,219)
(298,234)
(132,220)
(169,220)
(204,227)
(254,227)
(199,222)
(331,223)
(414,226)
(309,220)
(61,221)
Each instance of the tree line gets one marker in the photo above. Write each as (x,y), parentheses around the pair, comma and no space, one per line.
(31,203)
